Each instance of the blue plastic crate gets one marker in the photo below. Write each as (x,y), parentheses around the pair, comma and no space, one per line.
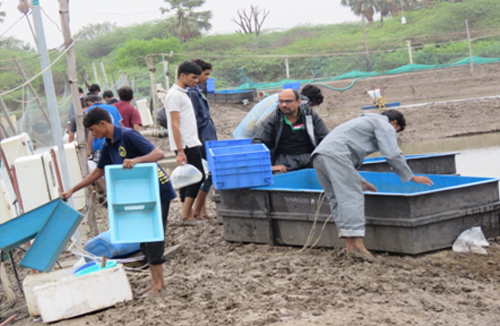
(243,166)
(210,85)
(223,143)
(134,205)
(295,86)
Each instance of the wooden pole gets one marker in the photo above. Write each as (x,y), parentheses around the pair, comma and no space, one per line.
(33,93)
(152,81)
(96,76)
(470,48)
(368,63)
(73,83)
(106,84)
(287,68)
(3,107)
(410,55)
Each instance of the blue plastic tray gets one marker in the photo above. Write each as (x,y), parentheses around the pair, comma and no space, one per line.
(134,205)
(53,237)
(386,183)
(25,227)
(223,143)
(101,245)
(241,167)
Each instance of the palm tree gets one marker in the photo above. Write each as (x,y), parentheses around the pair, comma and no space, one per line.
(186,22)
(2,14)
(362,7)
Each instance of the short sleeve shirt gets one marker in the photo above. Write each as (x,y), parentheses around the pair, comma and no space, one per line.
(130,115)
(177,100)
(115,119)
(128,144)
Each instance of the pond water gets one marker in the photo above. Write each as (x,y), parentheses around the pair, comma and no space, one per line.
(479,154)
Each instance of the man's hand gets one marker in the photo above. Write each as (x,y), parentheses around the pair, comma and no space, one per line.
(181,159)
(128,163)
(66,195)
(423,180)
(368,187)
(278,168)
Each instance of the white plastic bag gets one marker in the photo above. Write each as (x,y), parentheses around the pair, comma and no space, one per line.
(185,175)
(471,240)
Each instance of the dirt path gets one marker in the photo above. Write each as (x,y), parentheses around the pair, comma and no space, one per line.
(214,282)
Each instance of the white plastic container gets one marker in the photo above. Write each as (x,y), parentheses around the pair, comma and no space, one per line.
(142,106)
(33,280)
(16,146)
(74,296)
(75,173)
(37,180)
(7,210)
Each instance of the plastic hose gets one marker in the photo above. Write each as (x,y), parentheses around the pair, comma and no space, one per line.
(340,89)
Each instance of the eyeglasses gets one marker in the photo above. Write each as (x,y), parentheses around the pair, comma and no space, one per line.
(286,101)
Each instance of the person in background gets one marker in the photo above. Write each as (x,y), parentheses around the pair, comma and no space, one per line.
(336,160)
(206,132)
(71,113)
(291,133)
(94,89)
(130,115)
(183,133)
(128,148)
(72,122)
(313,95)
(109,97)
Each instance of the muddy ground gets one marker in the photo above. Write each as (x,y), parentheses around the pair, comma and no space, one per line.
(214,282)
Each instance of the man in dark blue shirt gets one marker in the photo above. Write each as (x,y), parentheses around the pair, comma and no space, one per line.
(128,147)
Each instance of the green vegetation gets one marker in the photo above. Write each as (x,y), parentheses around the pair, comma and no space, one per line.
(437,35)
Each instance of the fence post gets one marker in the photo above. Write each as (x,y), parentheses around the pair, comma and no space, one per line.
(96,77)
(410,55)
(152,81)
(287,68)
(470,48)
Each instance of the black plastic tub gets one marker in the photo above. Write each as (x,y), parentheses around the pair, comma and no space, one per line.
(403,218)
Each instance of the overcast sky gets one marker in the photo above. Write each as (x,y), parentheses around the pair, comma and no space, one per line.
(282,14)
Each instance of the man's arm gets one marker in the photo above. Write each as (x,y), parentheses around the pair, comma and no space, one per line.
(153,156)
(90,179)
(266,131)
(320,128)
(176,133)
(89,144)
(136,127)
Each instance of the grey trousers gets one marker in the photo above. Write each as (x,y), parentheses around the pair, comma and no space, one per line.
(342,186)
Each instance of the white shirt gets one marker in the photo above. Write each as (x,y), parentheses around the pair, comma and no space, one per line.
(178,100)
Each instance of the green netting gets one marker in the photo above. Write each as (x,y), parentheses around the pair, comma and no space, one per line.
(466,61)
(356,74)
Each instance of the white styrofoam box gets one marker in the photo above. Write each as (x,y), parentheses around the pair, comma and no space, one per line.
(16,146)
(74,296)
(37,180)
(75,172)
(33,280)
(142,106)
(7,210)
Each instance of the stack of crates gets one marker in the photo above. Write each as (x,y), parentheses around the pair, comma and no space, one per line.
(238,164)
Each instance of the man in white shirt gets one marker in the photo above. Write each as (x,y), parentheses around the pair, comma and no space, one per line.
(183,129)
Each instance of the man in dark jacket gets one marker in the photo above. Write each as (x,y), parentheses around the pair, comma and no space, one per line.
(291,133)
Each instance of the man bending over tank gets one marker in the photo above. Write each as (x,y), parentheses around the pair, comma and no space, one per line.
(338,157)
(291,133)
(128,147)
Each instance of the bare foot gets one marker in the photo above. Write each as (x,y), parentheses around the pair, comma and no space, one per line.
(361,255)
